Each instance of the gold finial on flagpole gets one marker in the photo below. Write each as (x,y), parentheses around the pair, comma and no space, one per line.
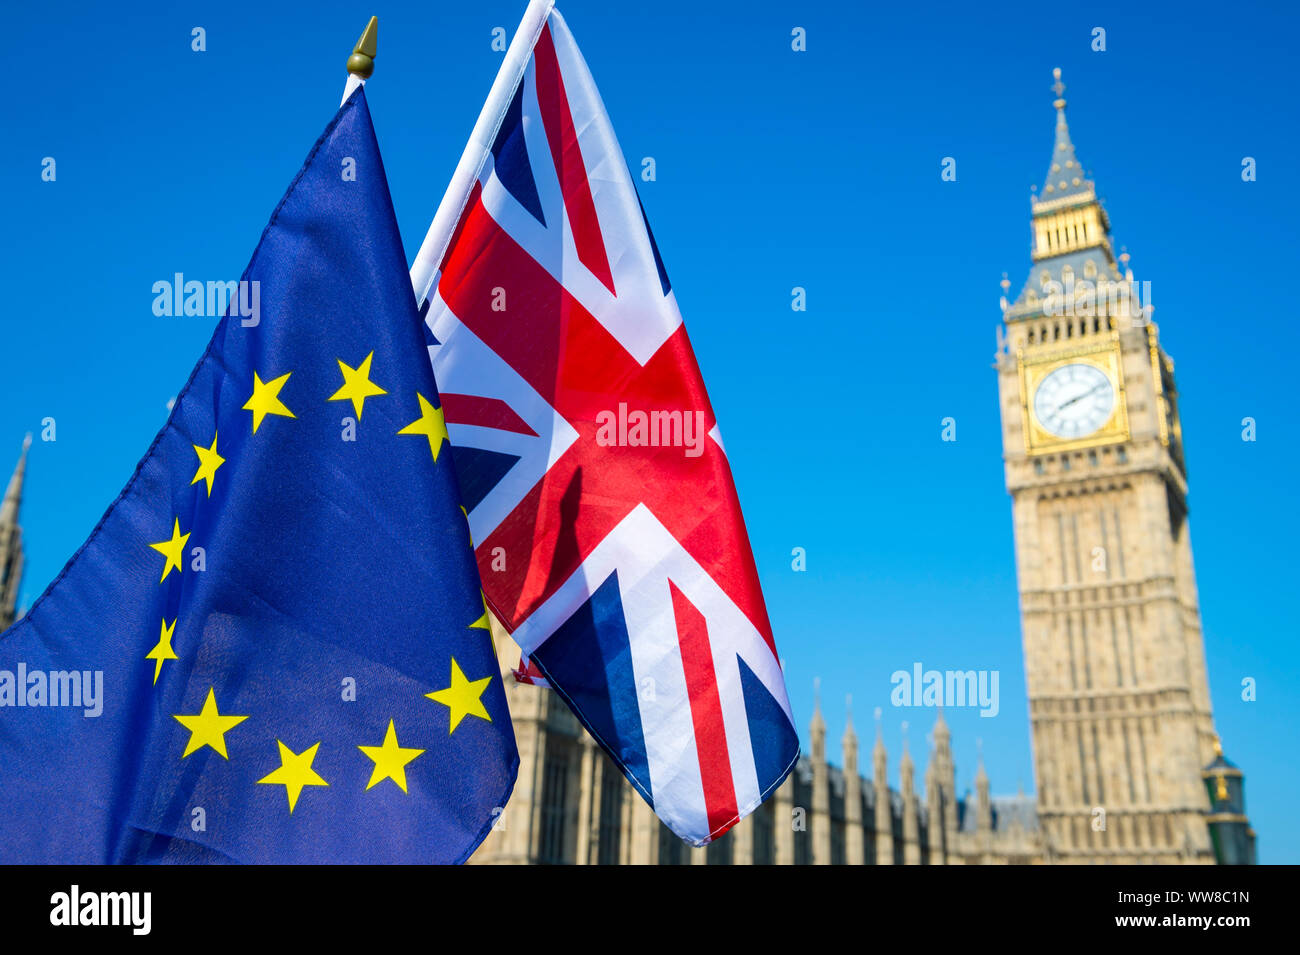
(362,61)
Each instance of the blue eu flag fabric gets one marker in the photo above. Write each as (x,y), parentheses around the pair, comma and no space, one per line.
(274,646)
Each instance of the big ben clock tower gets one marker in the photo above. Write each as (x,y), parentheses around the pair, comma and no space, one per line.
(1118,697)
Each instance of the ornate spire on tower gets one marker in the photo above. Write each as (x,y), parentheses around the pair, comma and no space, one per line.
(942,734)
(884,804)
(854,847)
(11,540)
(850,742)
(1071,231)
(821,794)
(906,770)
(945,780)
(983,802)
(879,759)
(817,728)
(14,493)
(817,720)
(1065,176)
(907,788)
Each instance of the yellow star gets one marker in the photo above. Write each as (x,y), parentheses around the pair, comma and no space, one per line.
(463,697)
(471,536)
(163,650)
(209,461)
(357,386)
(173,550)
(208,727)
(294,773)
(430,424)
(266,399)
(482,622)
(390,760)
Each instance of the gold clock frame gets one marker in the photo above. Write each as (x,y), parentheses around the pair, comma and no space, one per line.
(1105,357)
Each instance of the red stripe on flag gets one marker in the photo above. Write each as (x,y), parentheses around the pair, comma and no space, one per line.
(484,413)
(706,713)
(569,167)
(579,368)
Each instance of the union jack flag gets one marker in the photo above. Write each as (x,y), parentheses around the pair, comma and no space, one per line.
(606,522)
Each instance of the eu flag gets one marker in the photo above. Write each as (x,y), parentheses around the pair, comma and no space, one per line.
(274,646)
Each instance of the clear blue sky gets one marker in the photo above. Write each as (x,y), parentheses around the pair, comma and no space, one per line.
(775,169)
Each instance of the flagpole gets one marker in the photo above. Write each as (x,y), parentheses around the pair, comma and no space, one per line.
(362,61)
(429,259)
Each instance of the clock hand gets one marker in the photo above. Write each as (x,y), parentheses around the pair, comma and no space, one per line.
(1067,404)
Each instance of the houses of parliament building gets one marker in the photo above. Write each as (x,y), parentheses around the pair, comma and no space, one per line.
(1128,767)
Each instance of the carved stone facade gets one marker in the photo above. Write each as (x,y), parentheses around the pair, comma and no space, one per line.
(571,805)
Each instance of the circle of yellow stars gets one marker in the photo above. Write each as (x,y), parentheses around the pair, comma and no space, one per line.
(208,728)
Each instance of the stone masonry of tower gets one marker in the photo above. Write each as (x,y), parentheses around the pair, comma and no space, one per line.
(1118,694)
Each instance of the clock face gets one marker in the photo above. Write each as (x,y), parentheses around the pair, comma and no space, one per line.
(1074,400)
